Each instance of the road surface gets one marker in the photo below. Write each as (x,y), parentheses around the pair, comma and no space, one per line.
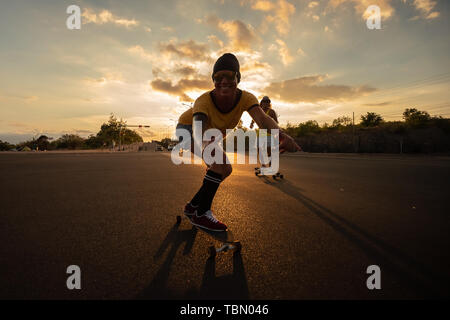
(311,236)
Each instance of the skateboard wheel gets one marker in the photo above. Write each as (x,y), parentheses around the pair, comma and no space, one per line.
(212,251)
(178,219)
(281,176)
(274,177)
(256,173)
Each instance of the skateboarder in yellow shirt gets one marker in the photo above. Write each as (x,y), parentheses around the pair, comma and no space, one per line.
(222,109)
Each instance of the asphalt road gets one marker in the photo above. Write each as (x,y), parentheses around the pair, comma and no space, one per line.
(310,236)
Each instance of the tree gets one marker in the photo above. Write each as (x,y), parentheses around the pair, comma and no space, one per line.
(341,122)
(5,146)
(371,119)
(115,130)
(70,141)
(93,142)
(43,143)
(416,118)
(166,142)
(308,127)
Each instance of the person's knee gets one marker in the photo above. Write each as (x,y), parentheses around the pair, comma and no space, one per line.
(227,170)
(223,169)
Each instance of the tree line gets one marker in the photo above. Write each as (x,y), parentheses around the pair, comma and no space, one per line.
(110,134)
(418,132)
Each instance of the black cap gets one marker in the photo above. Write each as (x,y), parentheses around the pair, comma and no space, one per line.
(265,99)
(229,62)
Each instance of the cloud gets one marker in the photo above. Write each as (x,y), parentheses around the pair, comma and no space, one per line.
(254,66)
(313,4)
(280,13)
(284,52)
(360,6)
(181,87)
(185,71)
(138,50)
(31,98)
(17,124)
(306,89)
(216,41)
(105,16)
(107,77)
(426,8)
(263,5)
(23,98)
(188,49)
(240,35)
(381,104)
(168,29)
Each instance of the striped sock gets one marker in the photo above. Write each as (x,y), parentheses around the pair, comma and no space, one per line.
(205,195)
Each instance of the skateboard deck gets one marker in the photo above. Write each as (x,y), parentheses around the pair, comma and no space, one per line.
(275,176)
(226,238)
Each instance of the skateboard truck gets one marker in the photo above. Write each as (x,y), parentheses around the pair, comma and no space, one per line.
(235,246)
(275,176)
(226,238)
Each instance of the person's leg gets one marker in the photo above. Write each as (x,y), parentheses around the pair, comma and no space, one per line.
(203,216)
(215,174)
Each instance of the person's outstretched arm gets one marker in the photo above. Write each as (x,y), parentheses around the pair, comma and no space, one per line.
(265,122)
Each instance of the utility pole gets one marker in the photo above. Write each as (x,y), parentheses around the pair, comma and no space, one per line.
(353,136)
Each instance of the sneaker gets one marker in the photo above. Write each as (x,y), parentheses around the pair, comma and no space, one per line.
(208,221)
(190,210)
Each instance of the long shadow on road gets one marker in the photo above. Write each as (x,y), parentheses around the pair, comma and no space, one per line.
(231,286)
(412,273)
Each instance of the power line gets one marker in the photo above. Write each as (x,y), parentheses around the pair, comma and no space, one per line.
(415,82)
(443,78)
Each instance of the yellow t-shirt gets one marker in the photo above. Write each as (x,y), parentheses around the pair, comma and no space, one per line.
(186,117)
(220,120)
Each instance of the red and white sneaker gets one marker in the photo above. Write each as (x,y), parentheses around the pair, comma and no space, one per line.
(208,221)
(190,210)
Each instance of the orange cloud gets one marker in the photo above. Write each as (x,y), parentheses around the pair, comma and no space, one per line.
(361,6)
(254,66)
(179,89)
(284,52)
(240,35)
(306,89)
(279,13)
(105,16)
(187,49)
(426,8)
(216,41)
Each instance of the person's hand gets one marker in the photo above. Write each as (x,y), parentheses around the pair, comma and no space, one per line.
(288,144)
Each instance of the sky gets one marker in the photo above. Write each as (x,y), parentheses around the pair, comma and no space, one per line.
(147,61)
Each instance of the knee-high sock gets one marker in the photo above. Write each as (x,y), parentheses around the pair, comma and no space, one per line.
(204,197)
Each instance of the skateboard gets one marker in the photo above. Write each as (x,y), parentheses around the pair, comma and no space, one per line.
(275,176)
(229,243)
